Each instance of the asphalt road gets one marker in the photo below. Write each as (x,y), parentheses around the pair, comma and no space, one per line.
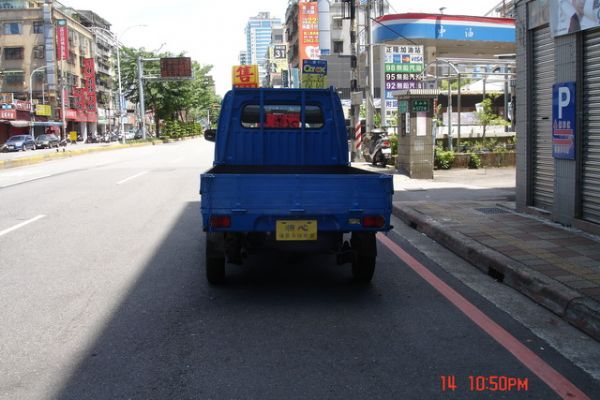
(104,297)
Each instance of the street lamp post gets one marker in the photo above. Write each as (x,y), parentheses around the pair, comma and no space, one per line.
(31,130)
(118,45)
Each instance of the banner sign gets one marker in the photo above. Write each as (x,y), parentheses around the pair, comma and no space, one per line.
(23,105)
(308,31)
(7,98)
(420,106)
(563,120)
(244,76)
(62,40)
(43,110)
(70,114)
(314,74)
(280,52)
(88,99)
(8,114)
(569,16)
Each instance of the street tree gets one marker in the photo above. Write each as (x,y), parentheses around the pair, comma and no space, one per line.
(486,115)
(182,100)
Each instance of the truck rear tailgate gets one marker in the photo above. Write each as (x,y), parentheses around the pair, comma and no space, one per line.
(255,197)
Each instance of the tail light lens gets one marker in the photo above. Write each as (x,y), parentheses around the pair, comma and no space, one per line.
(220,221)
(373,221)
(386,143)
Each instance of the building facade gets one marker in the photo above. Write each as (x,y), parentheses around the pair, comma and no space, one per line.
(258,38)
(558,109)
(45,52)
(105,63)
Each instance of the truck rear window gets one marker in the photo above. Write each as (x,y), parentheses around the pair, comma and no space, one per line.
(278,116)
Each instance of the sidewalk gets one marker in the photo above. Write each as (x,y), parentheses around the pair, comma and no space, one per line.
(555,266)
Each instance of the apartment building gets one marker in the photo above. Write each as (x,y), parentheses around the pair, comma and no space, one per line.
(32,75)
(258,38)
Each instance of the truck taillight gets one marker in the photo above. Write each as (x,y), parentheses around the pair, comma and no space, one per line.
(373,221)
(220,221)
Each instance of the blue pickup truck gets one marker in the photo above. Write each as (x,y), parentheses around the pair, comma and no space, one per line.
(281,181)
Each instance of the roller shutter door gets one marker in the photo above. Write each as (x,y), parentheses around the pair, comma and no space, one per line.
(543,79)
(590,195)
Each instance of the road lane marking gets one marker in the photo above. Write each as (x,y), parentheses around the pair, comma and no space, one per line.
(132,177)
(177,159)
(561,385)
(22,224)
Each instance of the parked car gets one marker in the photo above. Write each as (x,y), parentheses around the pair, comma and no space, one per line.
(19,143)
(130,135)
(47,141)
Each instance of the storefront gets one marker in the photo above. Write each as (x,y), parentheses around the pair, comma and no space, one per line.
(558,111)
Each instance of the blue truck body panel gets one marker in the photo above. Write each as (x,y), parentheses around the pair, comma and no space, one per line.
(264,174)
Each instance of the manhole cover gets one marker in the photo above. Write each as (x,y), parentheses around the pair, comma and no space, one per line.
(491,210)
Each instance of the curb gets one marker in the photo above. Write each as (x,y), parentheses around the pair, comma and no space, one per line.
(66,153)
(580,311)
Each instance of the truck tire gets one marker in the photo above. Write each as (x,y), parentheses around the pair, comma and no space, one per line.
(215,258)
(364,246)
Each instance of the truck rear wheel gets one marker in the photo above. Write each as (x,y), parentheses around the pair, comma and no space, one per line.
(215,258)
(364,247)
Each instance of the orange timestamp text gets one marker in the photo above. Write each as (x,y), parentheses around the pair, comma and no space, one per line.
(486,383)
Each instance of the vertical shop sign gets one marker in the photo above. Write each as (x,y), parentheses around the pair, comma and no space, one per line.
(62,40)
(308,31)
(563,120)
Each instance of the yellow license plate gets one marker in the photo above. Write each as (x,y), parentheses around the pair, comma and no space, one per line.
(296,230)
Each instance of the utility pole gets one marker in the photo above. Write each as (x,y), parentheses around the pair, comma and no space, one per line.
(62,99)
(371,85)
(355,95)
(140,68)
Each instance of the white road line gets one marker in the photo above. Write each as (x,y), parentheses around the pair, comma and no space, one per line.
(132,177)
(177,159)
(22,224)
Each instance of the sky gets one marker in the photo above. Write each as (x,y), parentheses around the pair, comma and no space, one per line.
(212,32)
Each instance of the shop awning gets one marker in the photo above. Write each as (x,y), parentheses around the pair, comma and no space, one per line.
(20,124)
(47,123)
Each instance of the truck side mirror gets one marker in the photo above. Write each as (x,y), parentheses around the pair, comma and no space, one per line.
(210,134)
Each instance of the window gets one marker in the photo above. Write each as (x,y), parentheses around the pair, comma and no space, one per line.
(338,46)
(13,53)
(72,58)
(14,77)
(38,52)
(338,23)
(12,28)
(280,116)
(38,26)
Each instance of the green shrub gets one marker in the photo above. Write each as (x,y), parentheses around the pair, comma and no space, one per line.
(474,161)
(394,144)
(443,158)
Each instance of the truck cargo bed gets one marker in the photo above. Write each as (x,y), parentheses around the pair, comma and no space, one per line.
(336,196)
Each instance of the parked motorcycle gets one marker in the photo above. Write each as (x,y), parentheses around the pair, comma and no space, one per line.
(379,148)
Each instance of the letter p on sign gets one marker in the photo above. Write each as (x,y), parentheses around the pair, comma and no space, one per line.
(564,99)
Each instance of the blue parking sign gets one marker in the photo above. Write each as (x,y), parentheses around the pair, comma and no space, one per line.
(563,120)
